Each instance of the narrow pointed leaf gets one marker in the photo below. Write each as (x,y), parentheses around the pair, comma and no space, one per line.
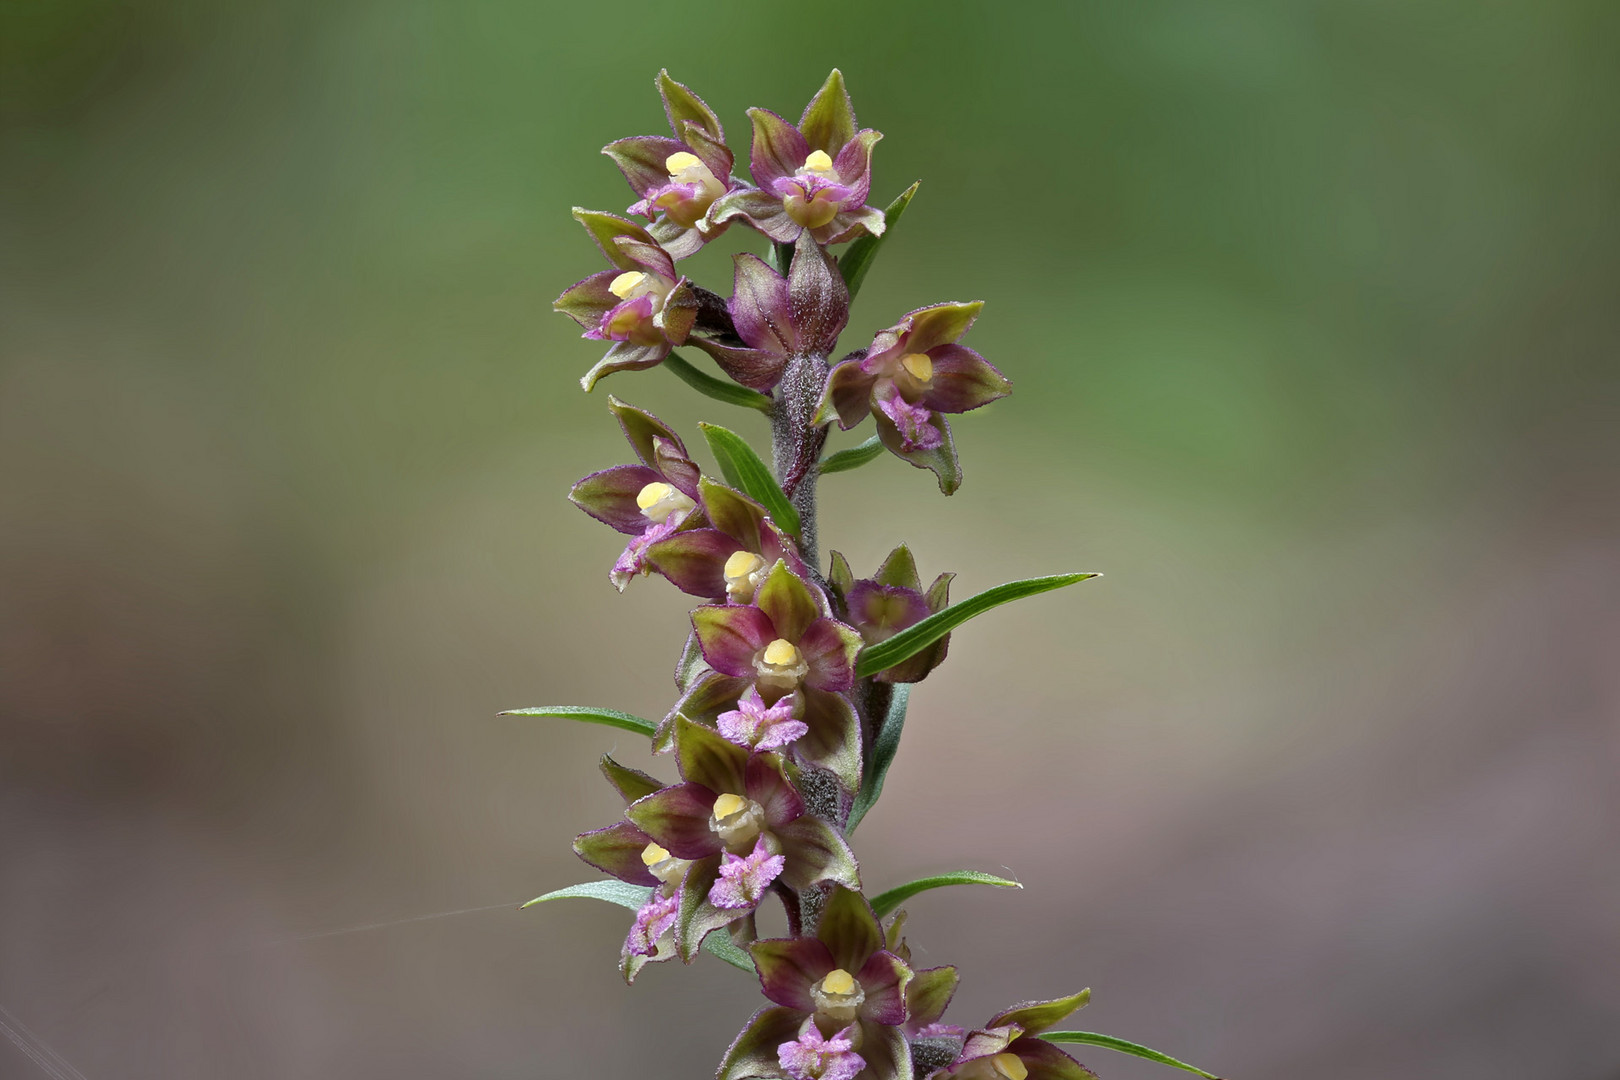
(886,902)
(614,892)
(588,715)
(885,746)
(909,642)
(852,458)
(858,257)
(743,469)
(720,390)
(1091,1038)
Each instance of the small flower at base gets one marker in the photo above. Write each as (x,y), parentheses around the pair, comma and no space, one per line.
(811,1057)
(744,878)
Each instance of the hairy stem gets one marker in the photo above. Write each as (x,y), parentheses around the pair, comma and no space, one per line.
(796,443)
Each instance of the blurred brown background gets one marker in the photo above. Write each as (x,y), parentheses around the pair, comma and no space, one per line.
(1310,308)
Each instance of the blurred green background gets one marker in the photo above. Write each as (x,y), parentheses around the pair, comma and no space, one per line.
(1310,310)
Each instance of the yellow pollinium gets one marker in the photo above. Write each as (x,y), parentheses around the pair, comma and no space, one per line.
(653,494)
(680,161)
(818,161)
(652,855)
(623,285)
(1010,1066)
(839,981)
(729,804)
(742,563)
(919,365)
(781,653)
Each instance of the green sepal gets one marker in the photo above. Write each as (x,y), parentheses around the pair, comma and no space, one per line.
(743,469)
(586,714)
(829,120)
(908,642)
(857,258)
(709,386)
(818,855)
(753,1052)
(788,601)
(853,457)
(884,748)
(1092,1038)
(604,228)
(696,918)
(849,928)
(899,570)
(886,902)
(839,576)
(928,994)
(707,758)
(1036,1016)
(680,104)
(630,783)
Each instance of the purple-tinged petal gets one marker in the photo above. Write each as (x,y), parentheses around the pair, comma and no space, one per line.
(940,459)
(705,758)
(756,369)
(927,997)
(811,1057)
(849,223)
(768,785)
(1035,1017)
(962,380)
(817,298)
(927,328)
(679,241)
(732,636)
(633,559)
(617,850)
(854,166)
(630,783)
(753,1052)
(881,611)
(698,918)
(1046,1062)
(711,150)
(754,725)
(763,210)
(679,312)
(607,229)
(833,735)
(641,159)
(587,301)
(789,967)
(710,694)
(884,977)
(989,1041)
(815,853)
(669,458)
(760,308)
(609,496)
(788,603)
(678,818)
(888,1057)
(829,648)
(643,430)
(681,105)
(694,561)
(829,120)
(624,356)
(779,148)
(645,254)
(848,393)
(744,878)
(849,929)
(733,513)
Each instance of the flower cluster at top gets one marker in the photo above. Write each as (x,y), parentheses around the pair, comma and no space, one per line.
(794,680)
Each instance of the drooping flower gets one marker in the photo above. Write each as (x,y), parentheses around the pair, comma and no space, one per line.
(912,374)
(755,725)
(841,978)
(652,501)
(779,317)
(784,644)
(678,179)
(729,560)
(814,1057)
(734,802)
(1006,1048)
(812,178)
(744,878)
(889,602)
(642,305)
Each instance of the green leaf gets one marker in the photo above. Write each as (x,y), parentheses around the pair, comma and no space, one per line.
(720,390)
(913,639)
(632,897)
(780,257)
(622,893)
(852,458)
(884,903)
(587,715)
(1091,1038)
(858,256)
(885,746)
(744,470)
